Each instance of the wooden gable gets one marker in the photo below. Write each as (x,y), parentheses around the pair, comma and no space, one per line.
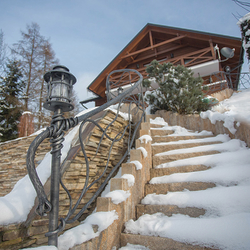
(168,44)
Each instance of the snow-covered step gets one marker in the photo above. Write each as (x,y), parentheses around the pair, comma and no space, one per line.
(156,172)
(170,138)
(164,188)
(162,147)
(156,125)
(158,243)
(183,153)
(161,132)
(161,159)
(172,145)
(168,210)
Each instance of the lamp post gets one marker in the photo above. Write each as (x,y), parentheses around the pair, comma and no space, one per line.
(60,83)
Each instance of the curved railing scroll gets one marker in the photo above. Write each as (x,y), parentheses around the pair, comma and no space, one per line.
(131,96)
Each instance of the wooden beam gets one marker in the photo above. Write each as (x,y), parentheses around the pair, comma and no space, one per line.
(212,49)
(151,39)
(154,46)
(159,53)
(193,58)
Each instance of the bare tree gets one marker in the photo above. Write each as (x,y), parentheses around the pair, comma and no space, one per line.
(37,57)
(48,62)
(29,49)
(3,47)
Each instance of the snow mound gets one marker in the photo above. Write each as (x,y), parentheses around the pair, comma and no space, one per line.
(235,109)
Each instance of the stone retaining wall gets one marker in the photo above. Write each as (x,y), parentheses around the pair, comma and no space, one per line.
(13,161)
(196,123)
(223,94)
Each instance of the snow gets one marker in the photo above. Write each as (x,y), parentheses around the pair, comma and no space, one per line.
(114,109)
(236,108)
(244,18)
(38,131)
(217,201)
(138,165)
(130,178)
(43,248)
(231,145)
(177,130)
(208,232)
(133,247)
(144,151)
(118,196)
(218,138)
(27,112)
(146,138)
(84,231)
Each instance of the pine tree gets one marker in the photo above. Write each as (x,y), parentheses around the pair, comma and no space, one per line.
(11,87)
(177,90)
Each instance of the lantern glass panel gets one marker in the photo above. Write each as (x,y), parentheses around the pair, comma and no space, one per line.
(59,90)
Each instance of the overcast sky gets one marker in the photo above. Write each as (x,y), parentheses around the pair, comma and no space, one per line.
(87,34)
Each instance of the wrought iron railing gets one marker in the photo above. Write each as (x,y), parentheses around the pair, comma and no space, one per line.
(133,97)
(244,80)
(218,81)
(215,82)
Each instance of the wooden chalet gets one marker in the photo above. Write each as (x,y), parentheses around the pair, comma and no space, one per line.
(199,51)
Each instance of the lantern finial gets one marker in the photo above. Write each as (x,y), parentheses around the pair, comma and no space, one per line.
(60,83)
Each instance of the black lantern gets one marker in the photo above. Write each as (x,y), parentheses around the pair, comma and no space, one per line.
(60,83)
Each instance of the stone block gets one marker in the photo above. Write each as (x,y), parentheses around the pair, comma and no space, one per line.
(103,204)
(158,243)
(176,187)
(135,155)
(37,230)
(10,235)
(118,184)
(10,243)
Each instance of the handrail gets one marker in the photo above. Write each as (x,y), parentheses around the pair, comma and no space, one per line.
(227,80)
(56,131)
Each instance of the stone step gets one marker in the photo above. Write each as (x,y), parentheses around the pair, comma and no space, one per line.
(156,172)
(156,125)
(158,243)
(156,149)
(159,159)
(177,138)
(161,132)
(168,210)
(176,187)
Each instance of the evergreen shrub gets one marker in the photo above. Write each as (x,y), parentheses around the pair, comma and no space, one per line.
(176,89)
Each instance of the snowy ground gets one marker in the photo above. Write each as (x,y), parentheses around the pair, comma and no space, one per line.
(231,173)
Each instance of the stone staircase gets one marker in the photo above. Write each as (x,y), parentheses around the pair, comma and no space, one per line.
(163,141)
